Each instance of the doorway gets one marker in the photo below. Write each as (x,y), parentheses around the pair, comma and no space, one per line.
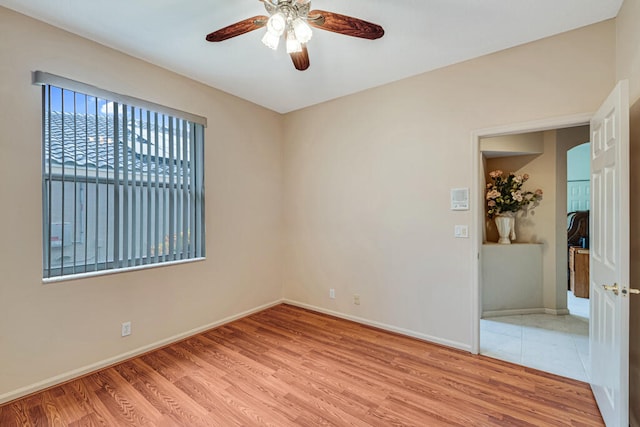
(578,208)
(542,334)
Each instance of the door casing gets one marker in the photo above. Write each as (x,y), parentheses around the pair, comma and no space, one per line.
(477,200)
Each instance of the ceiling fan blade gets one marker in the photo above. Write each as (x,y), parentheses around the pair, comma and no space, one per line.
(300,59)
(346,25)
(238,28)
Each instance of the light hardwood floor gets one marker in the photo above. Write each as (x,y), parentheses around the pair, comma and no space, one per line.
(287,366)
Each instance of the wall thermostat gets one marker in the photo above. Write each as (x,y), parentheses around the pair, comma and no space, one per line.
(459,199)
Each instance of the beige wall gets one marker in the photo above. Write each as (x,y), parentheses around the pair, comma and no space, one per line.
(530,223)
(50,331)
(628,67)
(508,145)
(367,179)
(628,47)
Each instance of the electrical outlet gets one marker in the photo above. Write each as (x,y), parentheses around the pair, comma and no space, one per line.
(356,299)
(126,329)
(332,293)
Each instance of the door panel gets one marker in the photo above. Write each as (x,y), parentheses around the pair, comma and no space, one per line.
(609,262)
(578,196)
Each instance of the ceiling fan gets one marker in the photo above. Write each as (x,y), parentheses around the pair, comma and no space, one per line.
(293,18)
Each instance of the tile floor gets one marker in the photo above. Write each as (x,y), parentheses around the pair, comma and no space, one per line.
(556,344)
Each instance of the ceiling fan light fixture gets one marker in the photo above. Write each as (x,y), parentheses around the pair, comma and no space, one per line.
(302,30)
(293,44)
(277,24)
(271,40)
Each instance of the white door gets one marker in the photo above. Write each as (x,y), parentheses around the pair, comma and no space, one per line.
(609,257)
(578,195)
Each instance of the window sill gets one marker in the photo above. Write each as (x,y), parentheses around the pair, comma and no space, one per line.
(117,271)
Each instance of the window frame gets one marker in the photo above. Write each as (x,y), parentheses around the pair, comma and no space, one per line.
(190,188)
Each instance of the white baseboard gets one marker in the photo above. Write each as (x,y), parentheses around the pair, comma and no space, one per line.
(76,373)
(384,326)
(515,312)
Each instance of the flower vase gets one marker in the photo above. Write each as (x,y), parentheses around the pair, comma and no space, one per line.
(506,228)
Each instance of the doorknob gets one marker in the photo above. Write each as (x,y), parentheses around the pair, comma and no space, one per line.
(624,291)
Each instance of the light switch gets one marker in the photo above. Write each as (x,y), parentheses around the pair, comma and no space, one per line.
(461,231)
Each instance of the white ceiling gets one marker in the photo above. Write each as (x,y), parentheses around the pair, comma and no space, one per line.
(420,35)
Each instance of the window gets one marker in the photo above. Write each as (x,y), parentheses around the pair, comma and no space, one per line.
(122,181)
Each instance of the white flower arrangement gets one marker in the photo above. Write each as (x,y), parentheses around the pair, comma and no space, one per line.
(505,194)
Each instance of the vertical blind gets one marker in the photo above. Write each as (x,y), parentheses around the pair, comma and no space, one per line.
(123,181)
